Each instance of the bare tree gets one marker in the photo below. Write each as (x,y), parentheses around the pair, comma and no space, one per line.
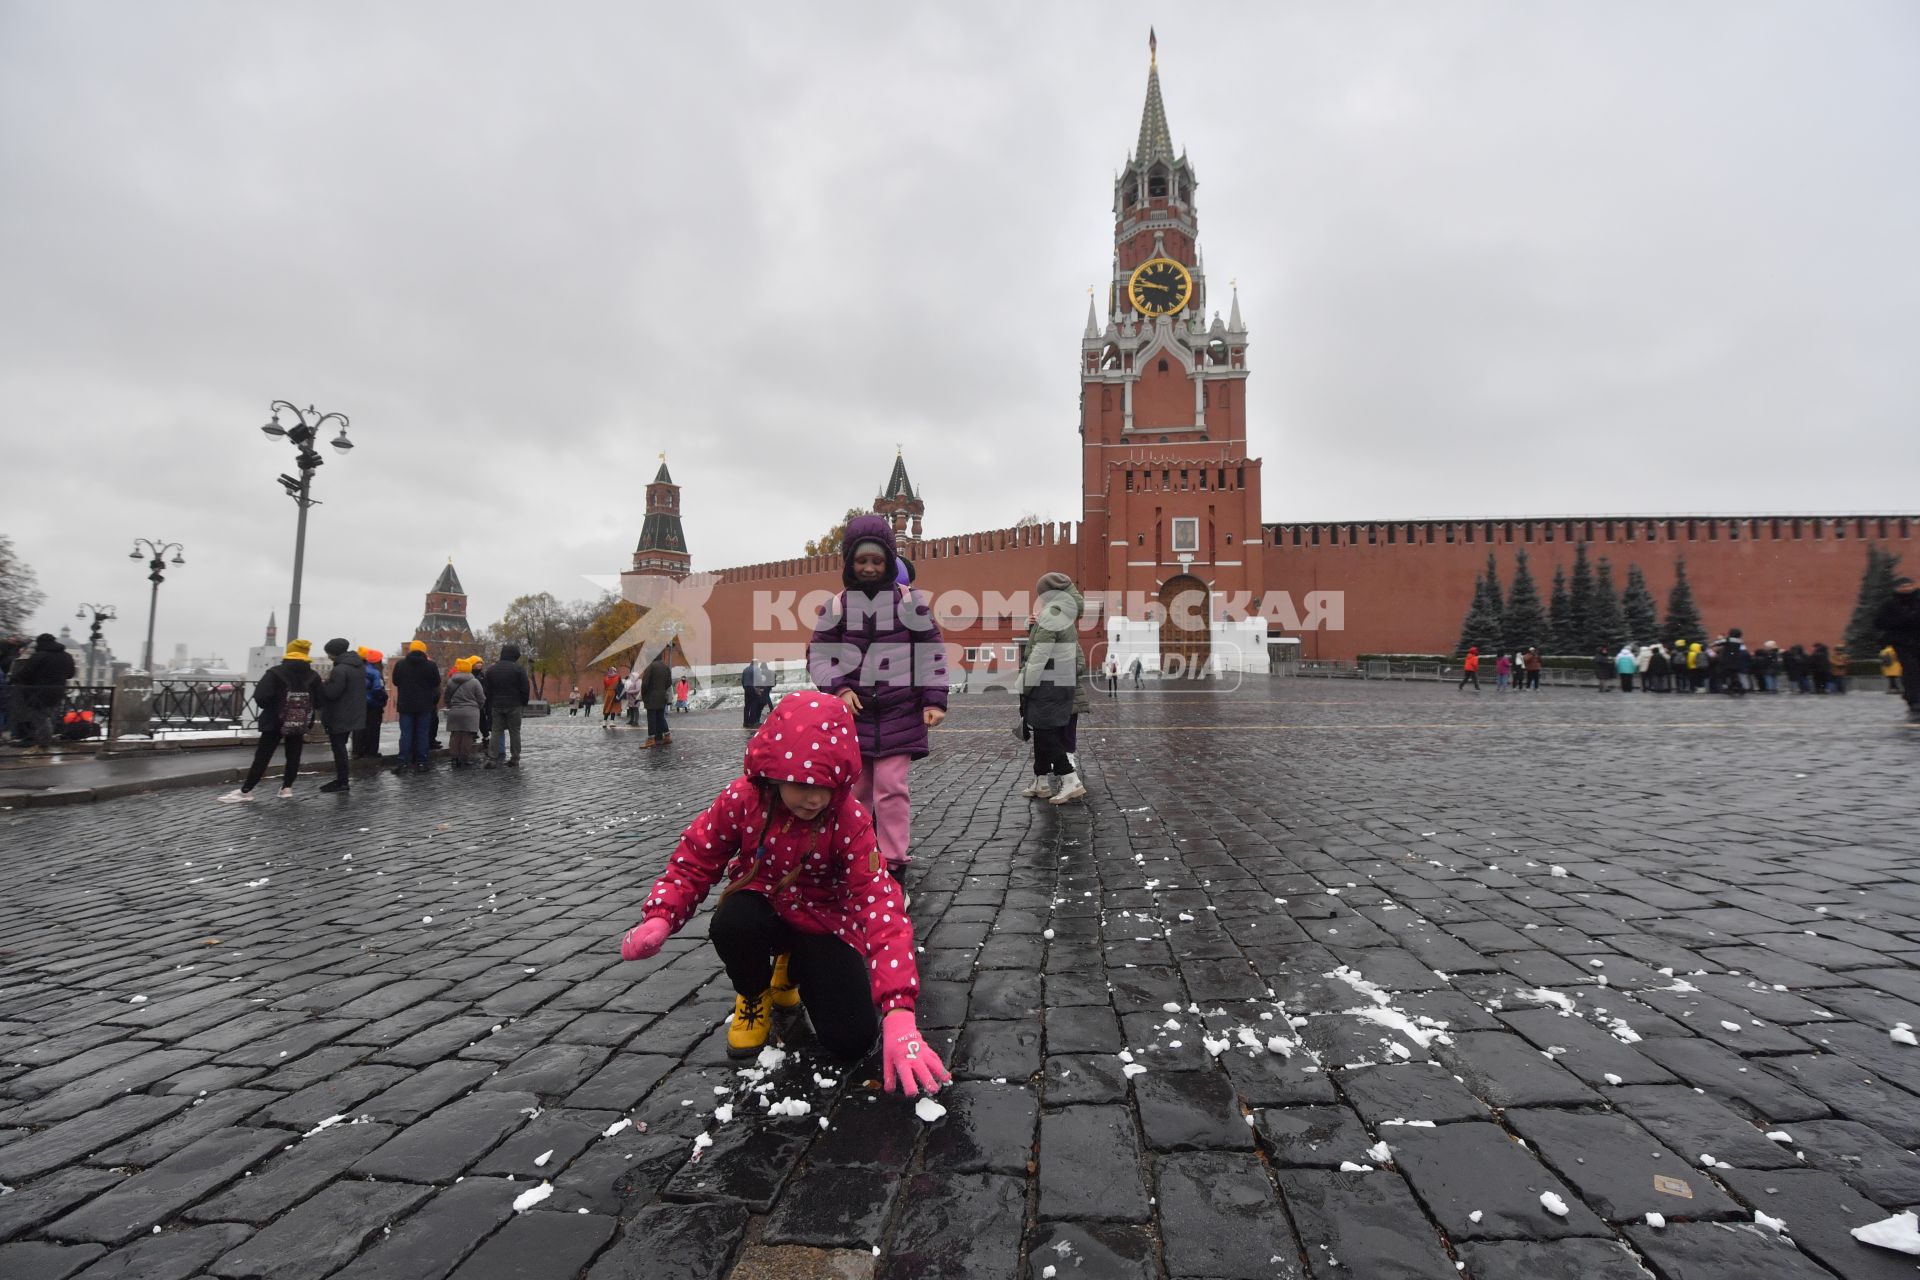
(20,592)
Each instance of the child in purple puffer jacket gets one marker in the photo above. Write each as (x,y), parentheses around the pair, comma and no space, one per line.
(878,650)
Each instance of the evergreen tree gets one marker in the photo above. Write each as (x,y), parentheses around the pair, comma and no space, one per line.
(1609,624)
(1876,588)
(1494,598)
(1482,624)
(1637,609)
(1581,634)
(1525,621)
(1561,621)
(1683,616)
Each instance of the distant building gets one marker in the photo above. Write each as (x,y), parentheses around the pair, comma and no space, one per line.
(443,626)
(267,654)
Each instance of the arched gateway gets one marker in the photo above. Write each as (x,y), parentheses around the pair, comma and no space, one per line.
(1185,631)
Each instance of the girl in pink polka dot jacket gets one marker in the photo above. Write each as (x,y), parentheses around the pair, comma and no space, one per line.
(809,915)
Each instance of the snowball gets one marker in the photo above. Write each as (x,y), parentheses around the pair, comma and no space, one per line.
(928,1110)
(1656,1219)
(1553,1204)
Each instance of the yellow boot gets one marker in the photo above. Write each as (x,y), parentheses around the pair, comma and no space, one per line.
(786,995)
(747,1034)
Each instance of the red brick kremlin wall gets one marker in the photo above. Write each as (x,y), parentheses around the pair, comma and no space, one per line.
(999,560)
(1407,584)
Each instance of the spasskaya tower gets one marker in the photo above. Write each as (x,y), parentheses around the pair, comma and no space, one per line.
(1170,501)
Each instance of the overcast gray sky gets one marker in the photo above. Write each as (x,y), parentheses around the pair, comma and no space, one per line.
(1497,258)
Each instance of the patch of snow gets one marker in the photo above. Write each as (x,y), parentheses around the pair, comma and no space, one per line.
(1763,1218)
(1348,1166)
(1380,1152)
(723,1114)
(1902,1034)
(1611,1078)
(533,1196)
(328,1123)
(1475,1216)
(1656,1220)
(1558,873)
(1553,1204)
(789,1107)
(1133,1069)
(928,1110)
(1780,1135)
(616,1127)
(1901,1233)
(540,1161)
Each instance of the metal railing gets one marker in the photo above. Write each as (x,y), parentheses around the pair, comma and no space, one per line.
(186,704)
(1383,669)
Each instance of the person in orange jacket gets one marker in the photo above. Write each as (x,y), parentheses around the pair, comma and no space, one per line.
(1472,668)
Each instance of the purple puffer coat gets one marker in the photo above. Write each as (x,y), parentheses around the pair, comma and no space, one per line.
(883,645)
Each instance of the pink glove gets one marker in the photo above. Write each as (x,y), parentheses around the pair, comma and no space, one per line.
(907,1059)
(644,939)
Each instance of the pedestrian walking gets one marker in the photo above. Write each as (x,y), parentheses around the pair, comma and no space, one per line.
(416,693)
(750,695)
(343,712)
(1048,681)
(40,685)
(1533,668)
(288,696)
(682,691)
(656,687)
(1899,623)
(366,743)
(508,693)
(808,919)
(1470,669)
(1113,677)
(1136,673)
(573,703)
(878,650)
(464,697)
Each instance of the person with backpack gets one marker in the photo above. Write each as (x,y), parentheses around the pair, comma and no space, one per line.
(288,697)
(465,697)
(1898,621)
(366,743)
(344,712)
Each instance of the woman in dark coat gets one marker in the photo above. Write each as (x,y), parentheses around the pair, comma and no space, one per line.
(345,712)
(1049,681)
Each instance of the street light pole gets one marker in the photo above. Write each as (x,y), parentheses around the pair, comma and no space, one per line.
(156,574)
(101,613)
(302,435)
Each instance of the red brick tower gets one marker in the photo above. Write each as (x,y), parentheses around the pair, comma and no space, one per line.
(443,626)
(662,550)
(1170,501)
(900,504)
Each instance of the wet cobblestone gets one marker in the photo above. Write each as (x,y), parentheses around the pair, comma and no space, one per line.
(1326,979)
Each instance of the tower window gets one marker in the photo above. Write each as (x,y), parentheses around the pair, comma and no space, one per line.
(1132,195)
(1129,482)
(1157,186)
(1163,366)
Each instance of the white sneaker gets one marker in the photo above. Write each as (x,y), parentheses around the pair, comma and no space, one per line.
(236,796)
(286,793)
(1070,789)
(1038,788)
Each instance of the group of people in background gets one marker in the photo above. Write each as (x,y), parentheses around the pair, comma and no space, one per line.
(482,701)
(1727,665)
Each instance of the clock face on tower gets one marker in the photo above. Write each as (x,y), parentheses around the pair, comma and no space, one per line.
(1159,286)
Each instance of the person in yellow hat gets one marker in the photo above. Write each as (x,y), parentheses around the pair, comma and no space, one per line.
(416,694)
(465,698)
(288,698)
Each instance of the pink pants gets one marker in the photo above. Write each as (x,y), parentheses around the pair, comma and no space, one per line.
(882,788)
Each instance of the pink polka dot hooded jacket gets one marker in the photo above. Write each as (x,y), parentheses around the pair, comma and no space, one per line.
(823,876)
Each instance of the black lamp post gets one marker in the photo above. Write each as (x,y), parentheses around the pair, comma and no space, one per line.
(302,435)
(156,574)
(101,613)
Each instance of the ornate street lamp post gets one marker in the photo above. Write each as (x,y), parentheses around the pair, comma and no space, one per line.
(156,574)
(101,613)
(302,435)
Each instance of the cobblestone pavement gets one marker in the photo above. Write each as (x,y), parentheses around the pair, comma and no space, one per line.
(1328,979)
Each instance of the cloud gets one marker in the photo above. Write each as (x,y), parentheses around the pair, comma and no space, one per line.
(1498,259)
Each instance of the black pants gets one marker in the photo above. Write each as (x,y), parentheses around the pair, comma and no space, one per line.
(1113,686)
(366,742)
(1909,656)
(747,933)
(1471,677)
(1626,682)
(338,741)
(1050,751)
(270,741)
(656,722)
